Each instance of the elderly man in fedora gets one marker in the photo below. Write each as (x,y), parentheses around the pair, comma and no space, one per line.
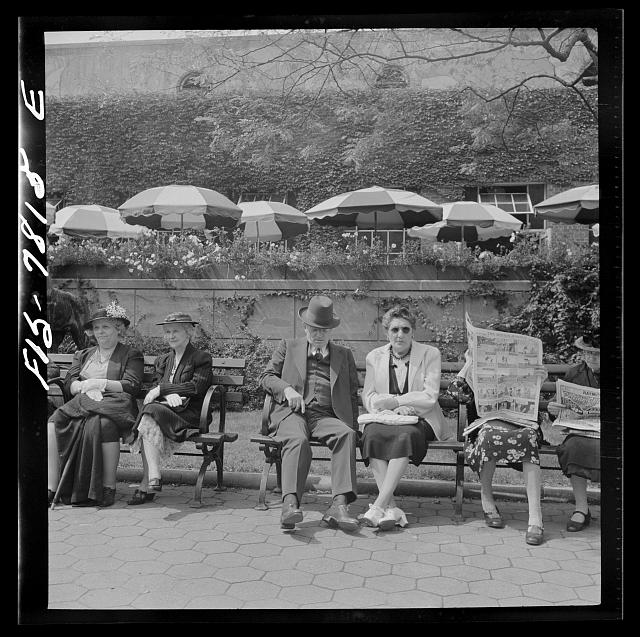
(314,384)
(579,453)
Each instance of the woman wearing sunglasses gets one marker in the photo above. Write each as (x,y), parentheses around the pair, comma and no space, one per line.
(403,378)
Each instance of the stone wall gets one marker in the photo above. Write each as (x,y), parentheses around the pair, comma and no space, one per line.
(270,307)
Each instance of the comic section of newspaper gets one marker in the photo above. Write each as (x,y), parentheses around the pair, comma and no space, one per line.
(505,383)
(580,411)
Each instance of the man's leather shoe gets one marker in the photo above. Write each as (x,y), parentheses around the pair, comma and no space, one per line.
(573,526)
(108,497)
(290,515)
(337,516)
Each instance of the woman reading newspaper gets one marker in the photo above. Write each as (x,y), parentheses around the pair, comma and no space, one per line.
(579,453)
(498,442)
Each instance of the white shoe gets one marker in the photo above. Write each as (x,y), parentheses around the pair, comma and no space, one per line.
(373,516)
(388,521)
(400,519)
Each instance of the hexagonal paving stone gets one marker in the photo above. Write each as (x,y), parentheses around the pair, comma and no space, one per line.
(484,538)
(462,549)
(259,550)
(90,539)
(535,564)
(289,577)
(204,587)
(581,566)
(467,573)
(62,576)
(214,601)
(65,592)
(60,548)
(191,571)
(549,592)
(413,599)
(551,553)
(169,533)
(320,565)
(254,590)
(367,568)
(246,538)
(338,581)
(203,535)
(124,531)
(467,600)
(130,542)
(161,600)
(488,562)
(137,554)
(523,601)
(111,579)
(442,586)
(181,557)
(215,546)
(97,564)
(440,559)
(107,598)
(273,563)
(507,550)
(348,554)
(571,579)
(393,556)
(359,597)
(516,575)
(495,589)
(420,547)
(144,567)
(239,574)
(150,582)
(390,583)
(227,560)
(415,570)
(589,593)
(270,603)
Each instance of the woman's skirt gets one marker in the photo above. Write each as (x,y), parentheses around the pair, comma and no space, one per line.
(580,456)
(387,442)
(167,432)
(505,443)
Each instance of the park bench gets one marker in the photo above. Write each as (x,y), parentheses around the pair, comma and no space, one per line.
(210,438)
(272,448)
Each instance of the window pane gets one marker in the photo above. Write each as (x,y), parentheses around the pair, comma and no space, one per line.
(503,198)
(519,196)
(486,198)
(507,207)
(522,207)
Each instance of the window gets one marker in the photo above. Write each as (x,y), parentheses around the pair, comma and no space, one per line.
(392,241)
(516,199)
(284,197)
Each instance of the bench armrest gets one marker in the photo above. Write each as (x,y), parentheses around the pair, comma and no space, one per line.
(206,409)
(266,412)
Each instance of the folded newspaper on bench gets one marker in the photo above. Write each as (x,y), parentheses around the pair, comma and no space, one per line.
(387,418)
(505,383)
(580,411)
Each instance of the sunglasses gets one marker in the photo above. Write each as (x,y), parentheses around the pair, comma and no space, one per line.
(404,330)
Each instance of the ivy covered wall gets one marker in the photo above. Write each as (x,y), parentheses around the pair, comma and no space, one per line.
(105,149)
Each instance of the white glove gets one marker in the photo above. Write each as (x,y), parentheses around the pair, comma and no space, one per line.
(152,394)
(93,383)
(173,400)
(94,394)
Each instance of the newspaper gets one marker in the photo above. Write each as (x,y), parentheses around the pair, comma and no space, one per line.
(580,408)
(506,384)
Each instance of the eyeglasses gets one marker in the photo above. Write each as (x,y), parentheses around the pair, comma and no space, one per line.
(395,330)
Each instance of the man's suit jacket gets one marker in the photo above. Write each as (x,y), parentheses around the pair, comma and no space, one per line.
(424,383)
(288,368)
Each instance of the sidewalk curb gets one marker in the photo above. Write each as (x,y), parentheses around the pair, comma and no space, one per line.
(423,488)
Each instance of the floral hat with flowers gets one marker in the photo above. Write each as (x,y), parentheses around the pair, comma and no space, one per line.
(112,311)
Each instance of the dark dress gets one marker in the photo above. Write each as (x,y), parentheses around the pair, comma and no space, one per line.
(507,444)
(87,423)
(387,442)
(580,455)
(191,380)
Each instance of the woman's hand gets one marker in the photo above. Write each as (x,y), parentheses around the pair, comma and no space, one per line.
(98,384)
(152,395)
(553,408)
(405,410)
(385,403)
(173,400)
(94,394)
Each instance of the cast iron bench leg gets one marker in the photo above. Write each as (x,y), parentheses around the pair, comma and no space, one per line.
(206,461)
(459,485)
(220,475)
(262,494)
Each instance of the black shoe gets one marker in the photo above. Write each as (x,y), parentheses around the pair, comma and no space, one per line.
(337,517)
(290,515)
(534,535)
(578,526)
(140,497)
(494,520)
(86,503)
(108,497)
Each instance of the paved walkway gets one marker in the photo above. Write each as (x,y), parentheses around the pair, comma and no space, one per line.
(167,555)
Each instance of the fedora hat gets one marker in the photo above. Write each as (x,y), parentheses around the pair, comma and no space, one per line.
(588,344)
(177,317)
(112,311)
(319,313)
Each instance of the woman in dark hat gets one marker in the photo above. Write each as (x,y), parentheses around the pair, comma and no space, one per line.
(579,453)
(84,433)
(172,407)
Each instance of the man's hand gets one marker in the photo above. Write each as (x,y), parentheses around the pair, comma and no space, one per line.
(295,400)
(152,394)
(173,400)
(554,408)
(382,403)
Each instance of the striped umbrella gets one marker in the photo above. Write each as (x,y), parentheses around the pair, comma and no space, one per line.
(377,208)
(90,220)
(271,221)
(179,206)
(576,205)
(468,221)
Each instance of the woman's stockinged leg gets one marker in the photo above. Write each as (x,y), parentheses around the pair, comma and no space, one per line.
(152,454)
(379,470)
(486,486)
(110,459)
(53,463)
(395,471)
(533,482)
(145,469)
(579,486)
